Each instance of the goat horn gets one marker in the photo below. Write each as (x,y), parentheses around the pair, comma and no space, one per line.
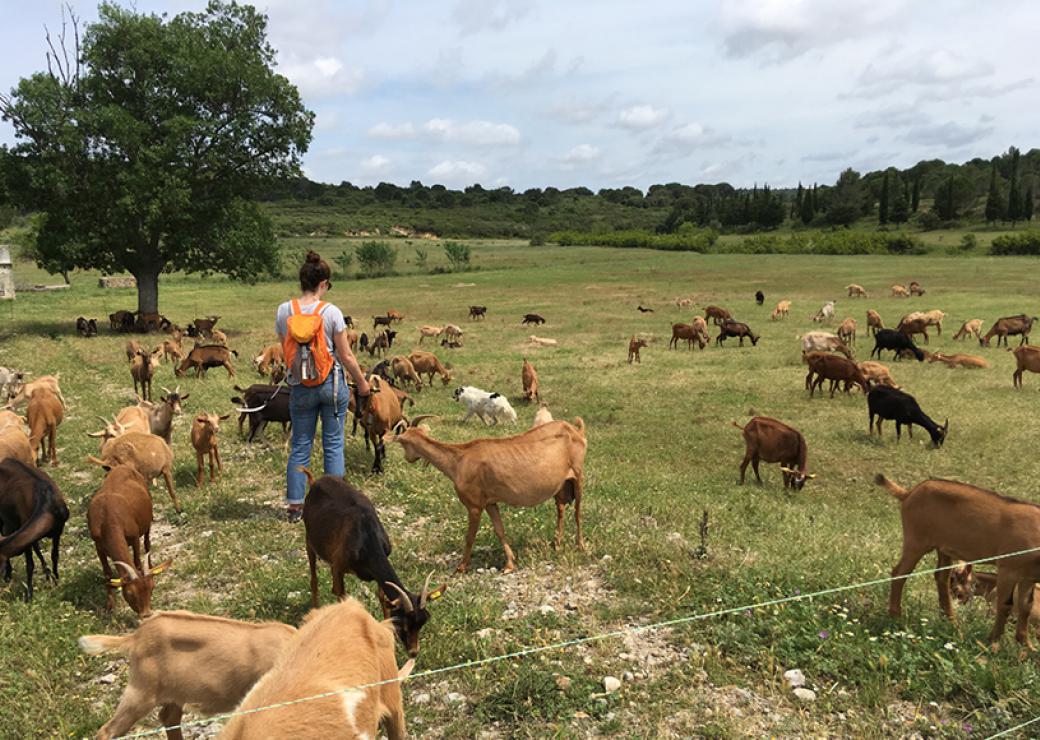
(252,410)
(407,601)
(165,389)
(415,421)
(425,591)
(129,571)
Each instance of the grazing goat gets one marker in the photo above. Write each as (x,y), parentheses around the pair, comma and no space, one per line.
(453,334)
(337,648)
(429,331)
(119,515)
(203,357)
(874,322)
(542,463)
(204,327)
(1009,326)
(969,361)
(478,312)
(404,372)
(383,342)
(974,326)
(179,658)
(381,414)
(14,440)
(45,413)
(490,408)
(826,312)
(261,404)
(890,339)
(682,303)
(847,331)
(690,333)
(967,583)
(1028,358)
(760,297)
(962,522)
(877,373)
(148,454)
(86,327)
(204,431)
(270,356)
(736,329)
(856,291)
(932,318)
(780,312)
(541,416)
(772,441)
(542,341)
(395,316)
(642,309)
(529,378)
(218,337)
(633,349)
(913,326)
(532,318)
(900,291)
(344,530)
(20,394)
(426,363)
(824,366)
(915,288)
(902,408)
(142,369)
(717,314)
(31,508)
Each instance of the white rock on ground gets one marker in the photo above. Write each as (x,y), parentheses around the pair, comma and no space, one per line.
(806,695)
(455,698)
(794,678)
(611,684)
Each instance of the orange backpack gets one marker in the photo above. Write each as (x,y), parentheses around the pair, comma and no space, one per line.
(306,352)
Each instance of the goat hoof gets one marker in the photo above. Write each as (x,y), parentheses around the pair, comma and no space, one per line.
(581,545)
(510,568)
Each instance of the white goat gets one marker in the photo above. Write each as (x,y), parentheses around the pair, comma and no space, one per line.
(490,407)
(826,313)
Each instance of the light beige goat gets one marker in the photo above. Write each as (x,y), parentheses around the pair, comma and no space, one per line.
(780,312)
(428,331)
(877,373)
(847,331)
(22,393)
(529,379)
(968,361)
(974,326)
(453,333)
(179,658)
(338,648)
(526,470)
(542,341)
(900,291)
(204,431)
(874,322)
(14,441)
(682,303)
(541,416)
(172,350)
(218,337)
(146,453)
(856,291)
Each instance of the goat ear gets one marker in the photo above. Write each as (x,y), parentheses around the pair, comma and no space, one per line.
(185,396)
(161,567)
(225,417)
(437,592)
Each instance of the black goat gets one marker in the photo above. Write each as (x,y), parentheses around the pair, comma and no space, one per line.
(732,328)
(378,321)
(343,529)
(642,309)
(884,402)
(532,318)
(760,297)
(363,342)
(261,404)
(31,508)
(896,341)
(86,327)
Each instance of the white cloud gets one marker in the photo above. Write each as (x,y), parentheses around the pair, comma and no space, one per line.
(582,154)
(640,117)
(384,130)
(688,137)
(321,77)
(930,67)
(375,165)
(457,170)
(950,135)
(472,133)
(495,15)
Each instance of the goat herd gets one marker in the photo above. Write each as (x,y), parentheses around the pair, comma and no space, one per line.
(216,664)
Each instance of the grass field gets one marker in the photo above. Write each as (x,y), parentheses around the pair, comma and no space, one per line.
(661,452)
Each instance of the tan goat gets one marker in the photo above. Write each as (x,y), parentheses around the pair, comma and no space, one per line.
(179,658)
(968,361)
(529,379)
(204,431)
(1028,358)
(780,312)
(431,332)
(961,522)
(541,416)
(900,291)
(273,354)
(877,373)
(874,322)
(526,470)
(172,351)
(426,363)
(974,326)
(143,368)
(405,372)
(847,331)
(337,649)
(219,337)
(453,333)
(14,441)
(24,392)
(542,341)
(45,413)
(145,452)
(856,291)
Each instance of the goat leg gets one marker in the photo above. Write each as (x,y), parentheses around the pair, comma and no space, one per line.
(170,716)
(168,477)
(471,536)
(558,539)
(942,584)
(312,560)
(500,532)
(43,562)
(578,486)
(1024,604)
(54,555)
(1005,591)
(30,565)
(134,705)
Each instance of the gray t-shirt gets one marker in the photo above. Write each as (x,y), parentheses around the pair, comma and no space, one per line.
(332,319)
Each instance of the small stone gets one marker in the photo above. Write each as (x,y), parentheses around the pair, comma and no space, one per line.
(627,676)
(485,633)
(492,569)
(794,678)
(107,678)
(455,698)
(806,695)
(611,684)
(421,698)
(563,683)
(547,609)
(580,715)
(606,559)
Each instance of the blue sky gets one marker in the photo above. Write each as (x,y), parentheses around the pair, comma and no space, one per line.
(532,93)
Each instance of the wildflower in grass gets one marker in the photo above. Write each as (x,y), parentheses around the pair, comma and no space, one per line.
(966,727)
(950,646)
(823,634)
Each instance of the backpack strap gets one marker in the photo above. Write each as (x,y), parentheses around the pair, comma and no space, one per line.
(294,307)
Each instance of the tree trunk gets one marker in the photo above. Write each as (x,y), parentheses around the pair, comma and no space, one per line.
(148,289)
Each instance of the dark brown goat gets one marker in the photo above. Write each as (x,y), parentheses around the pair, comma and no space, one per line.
(1009,326)
(772,441)
(688,332)
(914,326)
(344,530)
(31,508)
(735,329)
(825,366)
(204,357)
(118,516)
(142,369)
(478,312)
(717,314)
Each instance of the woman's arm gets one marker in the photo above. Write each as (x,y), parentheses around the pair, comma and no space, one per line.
(350,363)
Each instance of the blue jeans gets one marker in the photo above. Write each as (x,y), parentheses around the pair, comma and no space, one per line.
(306,405)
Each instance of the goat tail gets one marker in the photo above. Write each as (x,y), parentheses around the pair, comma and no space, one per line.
(97,644)
(307,472)
(579,424)
(894,488)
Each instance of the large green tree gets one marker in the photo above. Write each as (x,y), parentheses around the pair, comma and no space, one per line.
(899,212)
(1014,208)
(846,202)
(143,148)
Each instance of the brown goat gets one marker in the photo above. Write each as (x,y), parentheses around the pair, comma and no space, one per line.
(825,366)
(201,358)
(179,658)
(1009,326)
(426,363)
(847,331)
(133,348)
(914,326)
(146,453)
(690,333)
(874,322)
(14,441)
(119,516)
(962,522)
(877,373)
(404,372)
(273,354)
(529,378)
(969,361)
(633,350)
(772,441)
(204,439)
(172,350)
(1028,358)
(45,413)
(856,291)
(142,369)
(338,648)
(717,314)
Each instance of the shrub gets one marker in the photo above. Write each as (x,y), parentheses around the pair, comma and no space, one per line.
(458,256)
(968,242)
(1025,242)
(421,257)
(345,260)
(928,220)
(538,240)
(376,258)
(696,241)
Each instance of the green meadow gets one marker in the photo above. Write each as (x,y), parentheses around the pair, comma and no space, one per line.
(662,455)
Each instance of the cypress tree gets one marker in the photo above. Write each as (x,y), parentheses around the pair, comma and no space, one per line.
(899,211)
(1014,209)
(883,204)
(796,209)
(994,204)
(1027,204)
(805,211)
(915,196)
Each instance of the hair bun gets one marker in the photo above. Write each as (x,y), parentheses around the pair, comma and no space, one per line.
(313,257)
